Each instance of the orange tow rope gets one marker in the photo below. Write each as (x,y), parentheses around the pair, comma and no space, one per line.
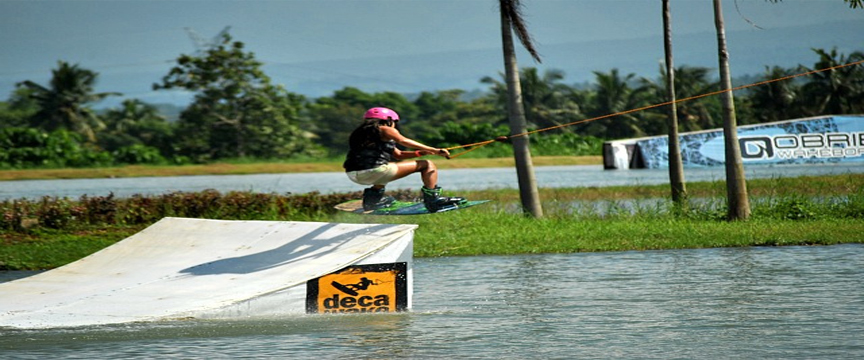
(478,145)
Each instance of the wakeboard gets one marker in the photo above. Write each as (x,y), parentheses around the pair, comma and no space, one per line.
(402,207)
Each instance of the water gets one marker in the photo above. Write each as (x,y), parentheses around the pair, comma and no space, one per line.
(455,179)
(753,303)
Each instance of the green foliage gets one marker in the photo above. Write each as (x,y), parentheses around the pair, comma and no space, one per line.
(796,208)
(62,105)
(62,213)
(838,91)
(18,111)
(138,154)
(55,213)
(334,118)
(452,133)
(136,123)
(566,144)
(14,214)
(237,112)
(333,124)
(851,207)
(28,148)
(50,231)
(555,144)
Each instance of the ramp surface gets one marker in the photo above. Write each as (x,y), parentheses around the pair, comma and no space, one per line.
(181,267)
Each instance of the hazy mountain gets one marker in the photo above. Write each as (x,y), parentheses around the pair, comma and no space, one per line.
(751,51)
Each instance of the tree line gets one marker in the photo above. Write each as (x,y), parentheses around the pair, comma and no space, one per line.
(238,112)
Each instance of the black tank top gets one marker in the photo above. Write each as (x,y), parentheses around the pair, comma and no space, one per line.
(367,150)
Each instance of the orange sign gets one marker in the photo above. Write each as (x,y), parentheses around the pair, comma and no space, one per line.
(359,289)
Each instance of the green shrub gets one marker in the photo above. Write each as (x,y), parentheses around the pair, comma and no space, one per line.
(795,209)
(566,144)
(14,214)
(138,154)
(55,213)
(28,148)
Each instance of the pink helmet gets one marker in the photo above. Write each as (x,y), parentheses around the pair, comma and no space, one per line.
(381,113)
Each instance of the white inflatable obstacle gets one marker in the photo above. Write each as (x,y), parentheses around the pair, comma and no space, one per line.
(194,268)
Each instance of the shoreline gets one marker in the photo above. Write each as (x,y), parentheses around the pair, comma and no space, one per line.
(227,168)
(809,210)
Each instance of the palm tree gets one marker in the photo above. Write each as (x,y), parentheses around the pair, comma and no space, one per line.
(546,100)
(691,115)
(692,81)
(131,113)
(676,168)
(511,20)
(62,105)
(835,91)
(777,100)
(736,185)
(135,122)
(613,95)
(541,94)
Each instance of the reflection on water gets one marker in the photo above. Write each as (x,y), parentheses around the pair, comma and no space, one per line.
(787,302)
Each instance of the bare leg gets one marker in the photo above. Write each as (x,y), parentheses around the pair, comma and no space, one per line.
(427,169)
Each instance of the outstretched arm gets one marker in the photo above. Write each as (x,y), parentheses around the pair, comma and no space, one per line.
(393,134)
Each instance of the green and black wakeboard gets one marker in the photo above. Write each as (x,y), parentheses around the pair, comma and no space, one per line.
(402,207)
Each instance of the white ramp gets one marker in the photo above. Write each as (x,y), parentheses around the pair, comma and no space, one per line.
(179,268)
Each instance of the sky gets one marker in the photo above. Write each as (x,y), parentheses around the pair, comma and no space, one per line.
(314,47)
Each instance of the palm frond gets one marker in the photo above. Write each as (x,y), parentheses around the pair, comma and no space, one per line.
(512,9)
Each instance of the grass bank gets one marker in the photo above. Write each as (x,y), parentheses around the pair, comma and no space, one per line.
(821,210)
(502,234)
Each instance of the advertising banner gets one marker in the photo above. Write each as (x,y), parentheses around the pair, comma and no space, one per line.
(359,289)
(805,141)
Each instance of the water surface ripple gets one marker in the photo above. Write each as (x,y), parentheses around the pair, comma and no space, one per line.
(739,303)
